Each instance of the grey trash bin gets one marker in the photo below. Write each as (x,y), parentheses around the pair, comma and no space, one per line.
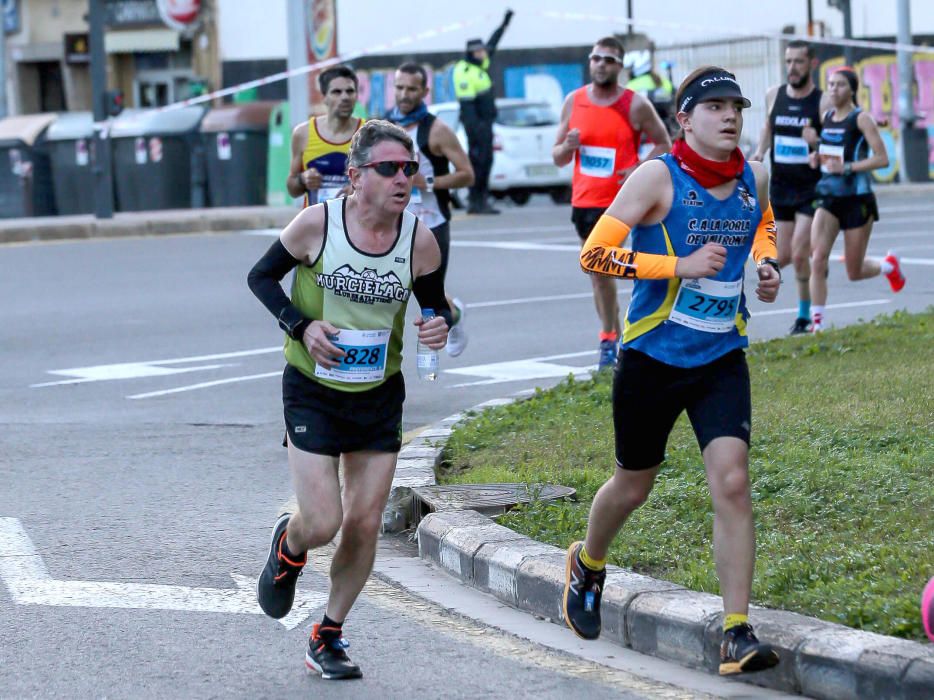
(236,150)
(25,170)
(158,159)
(70,140)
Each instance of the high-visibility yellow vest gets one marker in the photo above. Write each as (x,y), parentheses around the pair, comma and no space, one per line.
(471,80)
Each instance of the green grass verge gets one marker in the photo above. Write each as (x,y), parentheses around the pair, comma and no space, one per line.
(842,470)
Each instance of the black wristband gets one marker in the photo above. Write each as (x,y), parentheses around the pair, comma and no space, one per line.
(771,262)
(293,322)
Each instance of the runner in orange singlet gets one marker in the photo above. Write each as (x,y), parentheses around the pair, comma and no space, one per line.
(601,126)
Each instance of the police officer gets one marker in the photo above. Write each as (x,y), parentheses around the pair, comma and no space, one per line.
(653,86)
(474,90)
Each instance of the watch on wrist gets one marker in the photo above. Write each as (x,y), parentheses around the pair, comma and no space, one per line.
(847,168)
(771,262)
(429,184)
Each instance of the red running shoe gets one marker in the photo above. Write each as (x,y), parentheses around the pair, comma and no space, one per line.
(895,277)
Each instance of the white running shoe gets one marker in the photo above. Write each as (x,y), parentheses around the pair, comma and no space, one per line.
(457,336)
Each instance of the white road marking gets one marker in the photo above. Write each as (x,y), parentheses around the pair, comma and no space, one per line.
(531,300)
(205,385)
(146,368)
(29,582)
(519,245)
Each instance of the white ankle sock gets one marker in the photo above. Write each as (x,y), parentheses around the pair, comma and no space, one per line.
(886,266)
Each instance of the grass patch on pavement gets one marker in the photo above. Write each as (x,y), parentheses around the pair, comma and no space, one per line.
(842,471)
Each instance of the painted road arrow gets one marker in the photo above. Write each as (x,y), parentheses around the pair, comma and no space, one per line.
(29,582)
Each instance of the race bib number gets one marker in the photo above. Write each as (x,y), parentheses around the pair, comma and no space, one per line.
(326,193)
(365,358)
(791,150)
(597,161)
(707,305)
(828,153)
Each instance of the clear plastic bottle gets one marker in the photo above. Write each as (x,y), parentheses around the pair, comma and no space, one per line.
(427,358)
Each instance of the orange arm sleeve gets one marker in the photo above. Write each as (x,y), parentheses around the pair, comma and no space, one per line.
(602,254)
(763,245)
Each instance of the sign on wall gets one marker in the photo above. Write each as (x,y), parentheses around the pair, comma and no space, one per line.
(11,16)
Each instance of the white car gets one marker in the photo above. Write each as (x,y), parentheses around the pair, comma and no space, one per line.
(523,135)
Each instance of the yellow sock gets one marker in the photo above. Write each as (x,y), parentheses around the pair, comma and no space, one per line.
(734,619)
(592,564)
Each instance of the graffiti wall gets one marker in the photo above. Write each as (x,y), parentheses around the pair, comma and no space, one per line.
(878,94)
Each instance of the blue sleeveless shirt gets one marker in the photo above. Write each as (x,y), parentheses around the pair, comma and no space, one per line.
(695,218)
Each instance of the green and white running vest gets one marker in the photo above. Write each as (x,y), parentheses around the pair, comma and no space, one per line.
(363,295)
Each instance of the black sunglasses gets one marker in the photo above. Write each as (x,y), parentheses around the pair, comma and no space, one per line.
(605,58)
(388,168)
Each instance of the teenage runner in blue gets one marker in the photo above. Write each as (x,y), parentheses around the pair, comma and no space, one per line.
(695,216)
(850,149)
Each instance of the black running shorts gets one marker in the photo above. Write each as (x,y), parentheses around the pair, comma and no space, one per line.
(852,211)
(585,218)
(648,396)
(789,199)
(327,421)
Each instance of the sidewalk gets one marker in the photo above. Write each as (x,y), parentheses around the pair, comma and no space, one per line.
(144,223)
(218,219)
(819,659)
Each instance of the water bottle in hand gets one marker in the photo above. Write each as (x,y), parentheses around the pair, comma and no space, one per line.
(427,358)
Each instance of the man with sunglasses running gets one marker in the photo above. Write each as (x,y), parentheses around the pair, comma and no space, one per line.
(600,130)
(357,259)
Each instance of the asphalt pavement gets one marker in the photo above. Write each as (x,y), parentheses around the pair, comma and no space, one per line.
(142,467)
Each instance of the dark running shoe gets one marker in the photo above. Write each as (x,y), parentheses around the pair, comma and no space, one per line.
(583,589)
(801,326)
(607,354)
(328,657)
(742,652)
(275,589)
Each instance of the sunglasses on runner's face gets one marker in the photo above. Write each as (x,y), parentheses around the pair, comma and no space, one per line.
(605,58)
(388,168)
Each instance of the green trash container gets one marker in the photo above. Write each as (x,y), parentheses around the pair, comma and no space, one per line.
(70,140)
(158,159)
(280,156)
(25,170)
(235,152)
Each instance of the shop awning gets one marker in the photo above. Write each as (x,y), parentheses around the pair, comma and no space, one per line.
(140,40)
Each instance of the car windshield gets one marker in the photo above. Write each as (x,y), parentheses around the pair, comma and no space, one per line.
(526,115)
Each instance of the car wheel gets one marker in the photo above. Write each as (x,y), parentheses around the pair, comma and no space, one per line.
(520,197)
(561,195)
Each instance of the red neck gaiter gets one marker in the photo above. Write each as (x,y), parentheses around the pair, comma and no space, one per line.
(709,173)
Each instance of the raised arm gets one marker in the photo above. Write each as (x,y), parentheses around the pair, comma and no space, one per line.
(644,118)
(765,136)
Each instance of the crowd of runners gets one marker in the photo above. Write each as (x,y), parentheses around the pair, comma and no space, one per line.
(679,224)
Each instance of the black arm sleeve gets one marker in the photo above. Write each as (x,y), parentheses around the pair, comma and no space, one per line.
(264,281)
(429,292)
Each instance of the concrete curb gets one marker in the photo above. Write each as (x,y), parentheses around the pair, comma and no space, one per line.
(151,223)
(819,659)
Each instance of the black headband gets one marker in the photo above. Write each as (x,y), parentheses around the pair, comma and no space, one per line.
(712,85)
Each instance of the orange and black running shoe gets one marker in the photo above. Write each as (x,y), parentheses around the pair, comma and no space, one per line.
(327,654)
(275,589)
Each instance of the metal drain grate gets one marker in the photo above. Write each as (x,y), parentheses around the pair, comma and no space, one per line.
(489,499)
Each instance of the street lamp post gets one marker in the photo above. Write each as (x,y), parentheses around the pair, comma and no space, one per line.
(103,176)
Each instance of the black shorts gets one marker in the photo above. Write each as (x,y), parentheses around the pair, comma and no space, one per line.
(648,396)
(443,236)
(852,211)
(585,218)
(788,199)
(327,421)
